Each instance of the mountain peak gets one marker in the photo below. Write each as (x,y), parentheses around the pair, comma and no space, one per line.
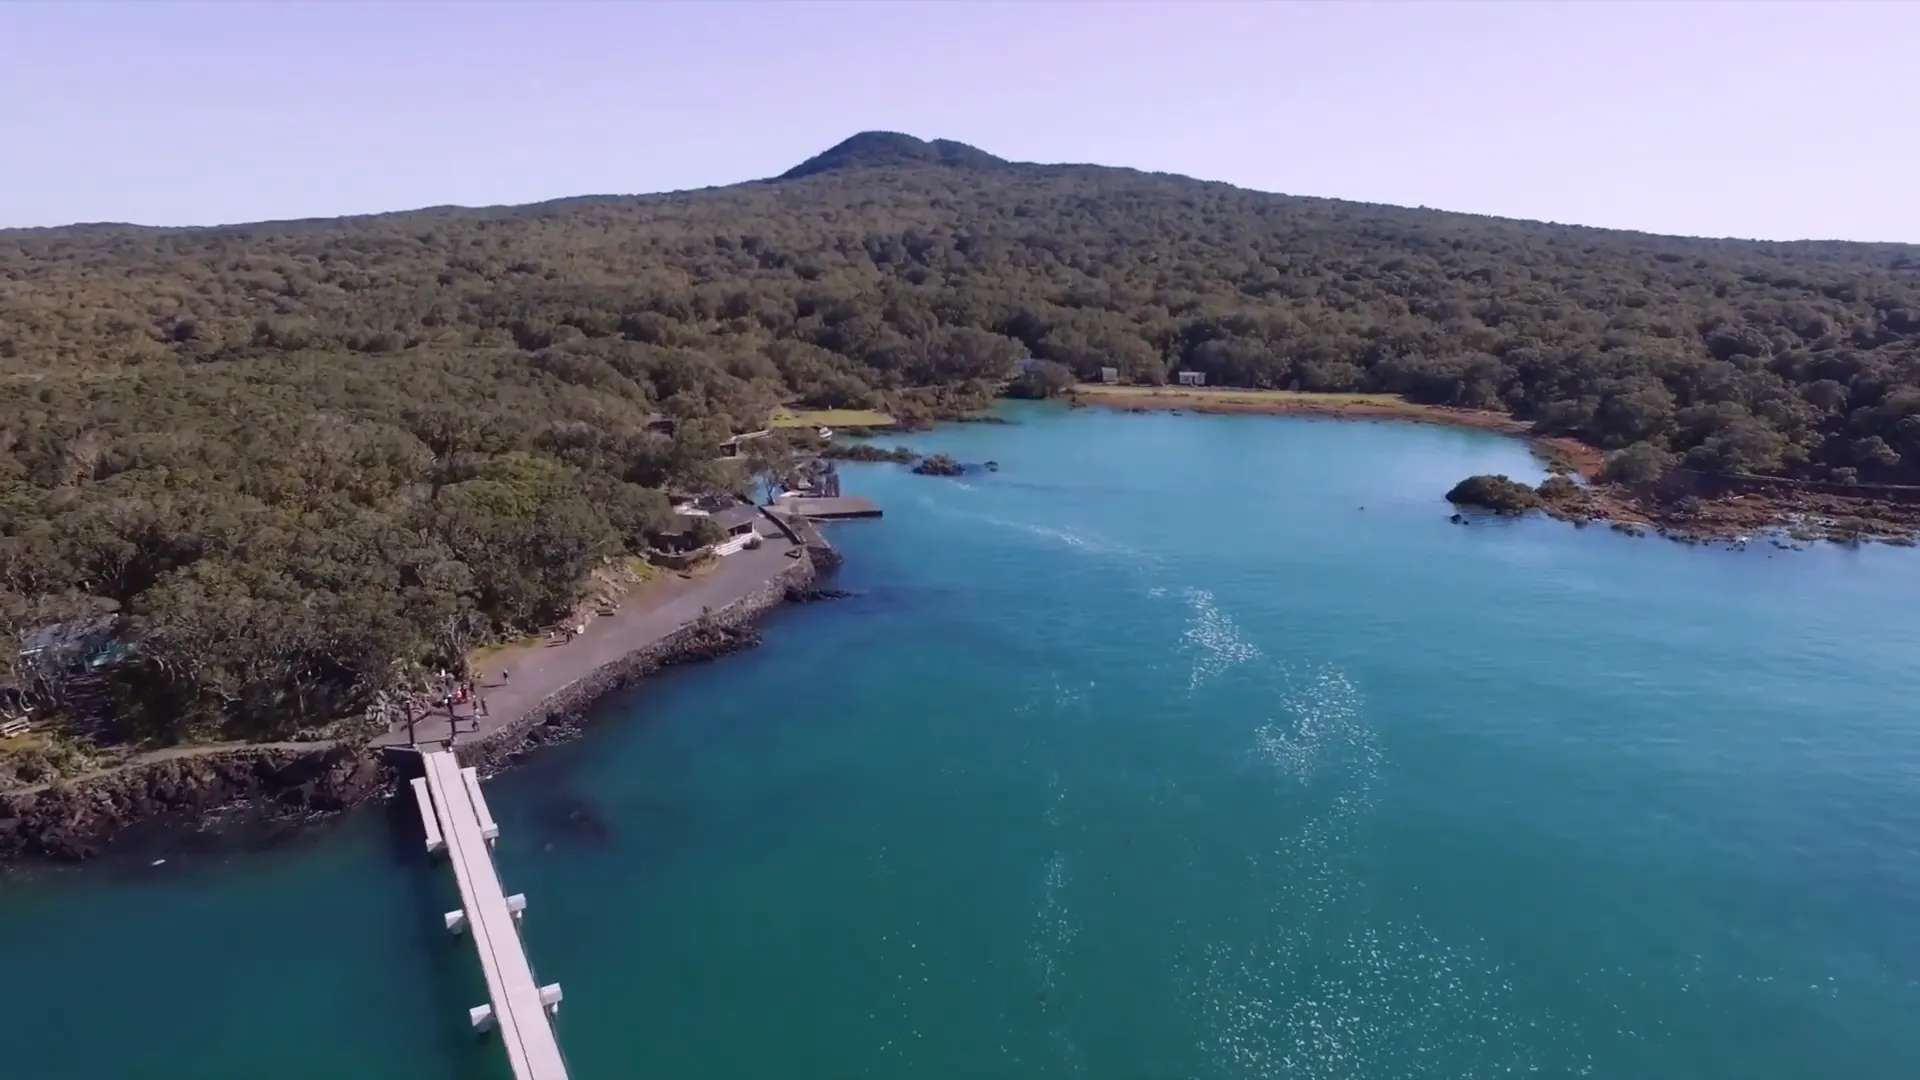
(871,149)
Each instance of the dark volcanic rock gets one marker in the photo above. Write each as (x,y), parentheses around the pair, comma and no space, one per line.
(78,821)
(939,465)
(723,632)
(270,786)
(573,818)
(809,594)
(899,455)
(1497,493)
(712,643)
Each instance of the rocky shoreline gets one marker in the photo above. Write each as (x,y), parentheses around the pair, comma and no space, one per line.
(1693,509)
(1682,507)
(79,821)
(564,713)
(70,822)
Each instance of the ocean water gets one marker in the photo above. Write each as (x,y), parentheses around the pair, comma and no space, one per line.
(1180,747)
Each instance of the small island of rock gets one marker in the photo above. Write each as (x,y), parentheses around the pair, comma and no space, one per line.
(939,465)
(899,455)
(1500,494)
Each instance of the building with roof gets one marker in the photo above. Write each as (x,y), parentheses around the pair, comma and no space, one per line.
(735,445)
(90,643)
(737,520)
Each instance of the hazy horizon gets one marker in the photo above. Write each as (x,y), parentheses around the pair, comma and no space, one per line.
(1757,121)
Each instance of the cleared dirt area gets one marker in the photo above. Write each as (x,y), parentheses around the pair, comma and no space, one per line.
(846,418)
(1207,399)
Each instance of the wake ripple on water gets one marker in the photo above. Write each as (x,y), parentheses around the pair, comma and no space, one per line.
(1084,541)
(1088,542)
(1335,989)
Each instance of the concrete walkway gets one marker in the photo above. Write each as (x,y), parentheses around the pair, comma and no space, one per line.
(647,615)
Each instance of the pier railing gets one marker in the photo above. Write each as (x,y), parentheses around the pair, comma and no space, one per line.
(458,822)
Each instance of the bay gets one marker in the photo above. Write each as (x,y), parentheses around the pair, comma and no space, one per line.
(1180,746)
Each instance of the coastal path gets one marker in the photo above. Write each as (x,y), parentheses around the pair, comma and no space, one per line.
(648,615)
(457,821)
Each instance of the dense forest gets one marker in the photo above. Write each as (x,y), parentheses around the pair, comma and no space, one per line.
(283,465)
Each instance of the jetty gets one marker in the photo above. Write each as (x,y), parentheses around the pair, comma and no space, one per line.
(457,822)
(827,508)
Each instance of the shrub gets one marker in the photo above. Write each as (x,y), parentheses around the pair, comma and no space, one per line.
(1557,487)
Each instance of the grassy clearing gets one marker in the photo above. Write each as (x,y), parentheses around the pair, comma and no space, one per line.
(42,756)
(1569,454)
(1289,402)
(833,418)
(35,741)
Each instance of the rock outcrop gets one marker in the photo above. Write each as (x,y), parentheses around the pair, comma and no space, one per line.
(939,465)
(1498,493)
(77,821)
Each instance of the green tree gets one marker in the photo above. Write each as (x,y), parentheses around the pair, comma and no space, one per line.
(287,454)
(1637,464)
(1043,379)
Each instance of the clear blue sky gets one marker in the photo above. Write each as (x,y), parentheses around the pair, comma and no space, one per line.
(1772,120)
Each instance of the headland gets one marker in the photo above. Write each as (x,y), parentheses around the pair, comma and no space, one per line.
(529,694)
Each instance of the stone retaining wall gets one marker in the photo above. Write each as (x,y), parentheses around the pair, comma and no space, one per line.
(560,717)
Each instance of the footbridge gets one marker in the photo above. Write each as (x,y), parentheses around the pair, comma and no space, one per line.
(457,821)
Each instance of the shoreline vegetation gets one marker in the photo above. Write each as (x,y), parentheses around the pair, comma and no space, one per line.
(257,479)
(554,691)
(1679,504)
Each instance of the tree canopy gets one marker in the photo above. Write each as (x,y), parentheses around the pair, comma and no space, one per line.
(296,457)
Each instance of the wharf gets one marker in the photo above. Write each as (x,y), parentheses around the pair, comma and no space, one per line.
(827,508)
(646,618)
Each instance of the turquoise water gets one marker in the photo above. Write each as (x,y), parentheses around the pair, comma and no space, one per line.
(1180,747)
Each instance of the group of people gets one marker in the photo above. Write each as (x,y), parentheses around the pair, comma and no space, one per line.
(450,691)
(444,695)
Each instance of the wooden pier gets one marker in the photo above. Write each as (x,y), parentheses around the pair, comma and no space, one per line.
(457,820)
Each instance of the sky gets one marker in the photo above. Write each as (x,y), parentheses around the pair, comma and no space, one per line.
(1770,120)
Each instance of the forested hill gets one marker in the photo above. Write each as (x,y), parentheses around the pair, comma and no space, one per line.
(292,456)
